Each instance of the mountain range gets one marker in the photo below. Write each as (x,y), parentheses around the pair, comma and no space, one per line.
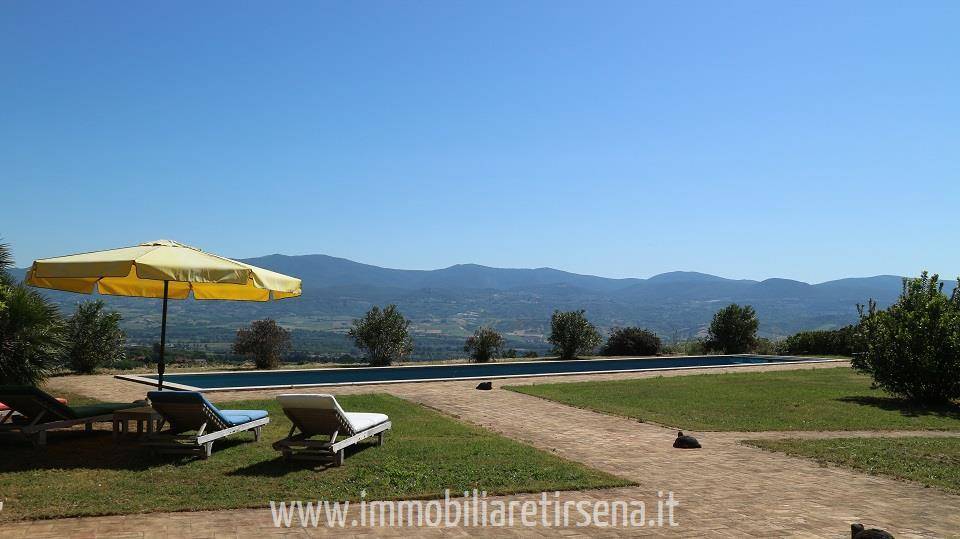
(446,304)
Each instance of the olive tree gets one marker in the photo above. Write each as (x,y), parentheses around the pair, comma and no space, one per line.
(265,341)
(912,348)
(572,335)
(733,330)
(484,344)
(383,334)
(93,338)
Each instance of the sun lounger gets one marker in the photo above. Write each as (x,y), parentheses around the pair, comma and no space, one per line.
(321,415)
(31,412)
(4,407)
(191,412)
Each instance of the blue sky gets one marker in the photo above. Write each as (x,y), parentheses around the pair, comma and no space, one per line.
(809,140)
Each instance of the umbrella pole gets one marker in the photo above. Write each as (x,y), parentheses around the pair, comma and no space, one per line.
(163,337)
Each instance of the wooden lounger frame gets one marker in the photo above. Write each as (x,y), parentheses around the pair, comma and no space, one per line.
(301,446)
(171,441)
(36,432)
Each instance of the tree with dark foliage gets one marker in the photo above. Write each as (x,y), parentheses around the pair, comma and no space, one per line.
(572,335)
(631,341)
(912,349)
(383,334)
(484,345)
(733,330)
(265,341)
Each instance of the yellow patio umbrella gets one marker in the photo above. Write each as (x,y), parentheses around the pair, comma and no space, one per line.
(161,269)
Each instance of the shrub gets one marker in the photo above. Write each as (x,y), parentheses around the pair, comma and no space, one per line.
(631,341)
(572,335)
(265,341)
(31,330)
(733,330)
(510,353)
(383,334)
(912,349)
(531,354)
(93,338)
(484,345)
(836,342)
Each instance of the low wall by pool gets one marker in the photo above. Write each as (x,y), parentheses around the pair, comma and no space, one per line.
(295,378)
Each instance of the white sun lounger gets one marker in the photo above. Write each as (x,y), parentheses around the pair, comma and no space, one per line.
(321,415)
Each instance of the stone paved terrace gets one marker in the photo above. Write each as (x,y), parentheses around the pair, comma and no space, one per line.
(725,490)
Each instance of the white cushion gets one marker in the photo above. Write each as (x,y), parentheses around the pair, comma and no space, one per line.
(362,421)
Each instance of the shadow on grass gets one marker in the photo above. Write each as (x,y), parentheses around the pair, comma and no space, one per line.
(904,407)
(278,467)
(78,450)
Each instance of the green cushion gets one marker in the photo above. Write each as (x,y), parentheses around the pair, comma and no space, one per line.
(103,408)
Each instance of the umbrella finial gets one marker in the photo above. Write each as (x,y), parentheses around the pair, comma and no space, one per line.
(167,243)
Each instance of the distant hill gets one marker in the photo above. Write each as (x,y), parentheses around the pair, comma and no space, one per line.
(447,304)
(322,271)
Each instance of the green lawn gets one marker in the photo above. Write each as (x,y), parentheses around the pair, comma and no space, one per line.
(425,453)
(931,461)
(810,399)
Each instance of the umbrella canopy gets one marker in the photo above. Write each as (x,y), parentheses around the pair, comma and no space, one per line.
(142,271)
(161,269)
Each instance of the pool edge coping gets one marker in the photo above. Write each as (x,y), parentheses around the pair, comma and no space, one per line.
(183,387)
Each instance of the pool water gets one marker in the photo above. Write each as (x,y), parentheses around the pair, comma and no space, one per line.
(233,380)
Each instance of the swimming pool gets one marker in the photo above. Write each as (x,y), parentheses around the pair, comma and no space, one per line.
(294,378)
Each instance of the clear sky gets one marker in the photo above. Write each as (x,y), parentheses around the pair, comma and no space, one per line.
(808,140)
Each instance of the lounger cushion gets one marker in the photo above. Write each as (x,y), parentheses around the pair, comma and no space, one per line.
(199,401)
(31,401)
(239,417)
(104,408)
(362,421)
